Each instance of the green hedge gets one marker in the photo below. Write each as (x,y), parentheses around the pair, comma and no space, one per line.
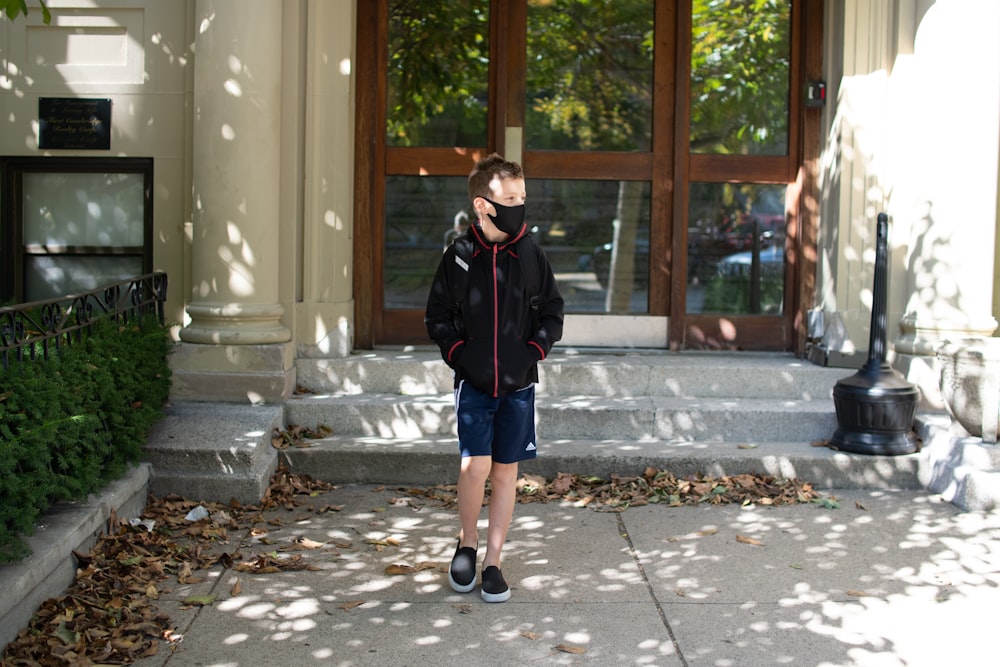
(73,423)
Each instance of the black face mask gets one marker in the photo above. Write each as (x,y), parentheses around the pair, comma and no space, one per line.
(508,218)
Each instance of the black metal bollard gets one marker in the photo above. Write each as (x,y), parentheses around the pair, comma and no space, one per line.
(876,406)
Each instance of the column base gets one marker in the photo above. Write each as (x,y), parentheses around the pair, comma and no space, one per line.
(916,348)
(235,324)
(263,373)
(925,336)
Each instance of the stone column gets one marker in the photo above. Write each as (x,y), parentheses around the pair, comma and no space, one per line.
(948,179)
(324,316)
(235,346)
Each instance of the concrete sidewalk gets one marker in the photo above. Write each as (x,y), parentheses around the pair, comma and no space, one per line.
(888,578)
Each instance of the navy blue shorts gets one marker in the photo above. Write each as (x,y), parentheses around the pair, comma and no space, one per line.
(502,427)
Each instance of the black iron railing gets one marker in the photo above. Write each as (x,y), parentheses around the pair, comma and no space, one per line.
(30,330)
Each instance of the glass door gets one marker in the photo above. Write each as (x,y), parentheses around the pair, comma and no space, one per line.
(742,150)
(598,109)
(657,142)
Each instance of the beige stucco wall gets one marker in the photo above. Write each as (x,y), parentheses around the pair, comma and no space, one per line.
(253,163)
(135,53)
(912,131)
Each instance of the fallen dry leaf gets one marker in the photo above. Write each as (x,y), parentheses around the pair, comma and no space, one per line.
(329,508)
(347,606)
(531,635)
(690,536)
(405,568)
(296,436)
(268,564)
(199,600)
(306,543)
(857,594)
(387,542)
(749,540)
(184,575)
(530,484)
(569,648)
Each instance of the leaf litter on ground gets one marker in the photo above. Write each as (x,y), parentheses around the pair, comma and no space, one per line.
(109,616)
(660,486)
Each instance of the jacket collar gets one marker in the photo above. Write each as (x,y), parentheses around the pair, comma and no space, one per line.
(477,233)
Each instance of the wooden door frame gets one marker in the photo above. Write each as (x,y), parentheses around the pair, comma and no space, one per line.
(671,70)
(369,161)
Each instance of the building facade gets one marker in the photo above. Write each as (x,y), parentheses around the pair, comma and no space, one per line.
(703,178)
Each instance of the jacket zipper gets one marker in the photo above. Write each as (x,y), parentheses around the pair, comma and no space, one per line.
(496,328)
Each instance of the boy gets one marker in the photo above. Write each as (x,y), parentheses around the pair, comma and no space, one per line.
(493,341)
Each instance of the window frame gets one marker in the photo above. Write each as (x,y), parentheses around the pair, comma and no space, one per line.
(13,250)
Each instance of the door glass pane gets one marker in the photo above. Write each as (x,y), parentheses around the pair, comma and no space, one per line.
(438,73)
(589,75)
(83,209)
(422,215)
(53,276)
(601,265)
(596,234)
(728,271)
(740,64)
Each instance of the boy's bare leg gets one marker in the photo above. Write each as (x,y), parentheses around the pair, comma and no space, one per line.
(471,491)
(503,494)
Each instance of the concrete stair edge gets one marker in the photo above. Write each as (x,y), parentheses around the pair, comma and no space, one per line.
(630,373)
(570,417)
(346,459)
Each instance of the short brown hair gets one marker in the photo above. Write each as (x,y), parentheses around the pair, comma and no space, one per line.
(490,167)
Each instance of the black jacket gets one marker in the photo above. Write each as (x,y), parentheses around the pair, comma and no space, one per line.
(496,341)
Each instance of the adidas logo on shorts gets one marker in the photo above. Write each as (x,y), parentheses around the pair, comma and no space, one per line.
(530,447)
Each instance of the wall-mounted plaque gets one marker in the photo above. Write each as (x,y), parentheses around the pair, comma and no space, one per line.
(76,123)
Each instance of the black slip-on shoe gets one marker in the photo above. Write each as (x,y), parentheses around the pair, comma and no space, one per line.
(462,572)
(495,589)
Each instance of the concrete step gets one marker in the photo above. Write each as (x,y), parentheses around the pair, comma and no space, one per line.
(392,420)
(433,460)
(570,373)
(675,419)
(213,451)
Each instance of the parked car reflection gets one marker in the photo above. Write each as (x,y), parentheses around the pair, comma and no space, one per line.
(772,261)
(707,256)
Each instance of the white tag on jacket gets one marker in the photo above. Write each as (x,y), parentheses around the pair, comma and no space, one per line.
(462,263)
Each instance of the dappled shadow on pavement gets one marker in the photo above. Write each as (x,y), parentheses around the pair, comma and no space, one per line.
(874,578)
